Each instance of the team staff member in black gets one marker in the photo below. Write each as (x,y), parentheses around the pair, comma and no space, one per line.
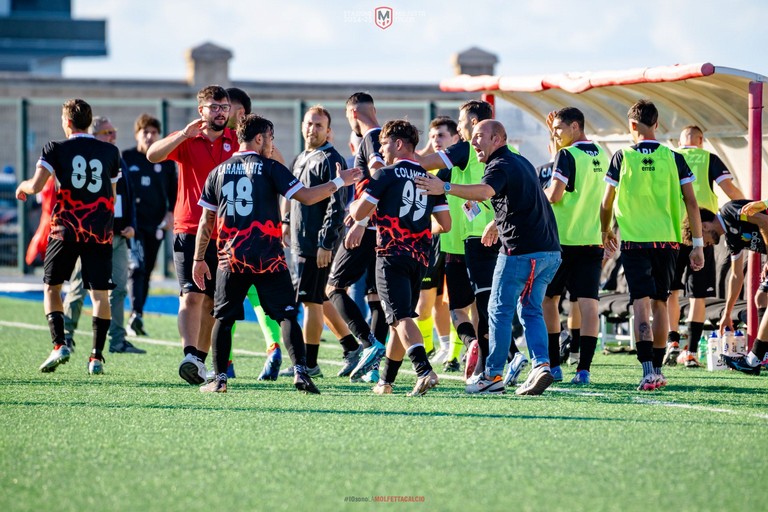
(154,190)
(466,168)
(527,260)
(241,196)
(745,227)
(86,171)
(357,254)
(315,230)
(403,224)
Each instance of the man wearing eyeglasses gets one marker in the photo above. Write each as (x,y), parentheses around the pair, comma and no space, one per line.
(199,147)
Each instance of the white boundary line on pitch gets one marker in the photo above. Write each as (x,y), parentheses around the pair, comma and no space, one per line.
(696,407)
(166,343)
(646,401)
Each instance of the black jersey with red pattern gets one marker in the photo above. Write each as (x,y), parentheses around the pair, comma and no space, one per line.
(84,169)
(403,212)
(243,191)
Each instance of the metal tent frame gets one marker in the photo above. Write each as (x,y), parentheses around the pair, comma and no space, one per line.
(726,103)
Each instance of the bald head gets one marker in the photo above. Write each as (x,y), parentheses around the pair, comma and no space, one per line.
(487,137)
(692,135)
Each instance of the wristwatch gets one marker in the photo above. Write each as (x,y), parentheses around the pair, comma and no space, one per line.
(446,187)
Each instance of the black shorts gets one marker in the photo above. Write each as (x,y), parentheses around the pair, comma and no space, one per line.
(312,281)
(398,279)
(579,273)
(184,259)
(460,294)
(701,284)
(649,272)
(435,276)
(481,262)
(275,290)
(96,260)
(349,265)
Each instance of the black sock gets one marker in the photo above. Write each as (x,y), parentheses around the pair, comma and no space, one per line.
(221,337)
(190,350)
(351,315)
(484,349)
(760,313)
(588,345)
(658,357)
(390,370)
(378,321)
(553,345)
(293,340)
(694,333)
(204,355)
(673,336)
(312,351)
(56,326)
(575,340)
(100,330)
(644,351)
(466,333)
(419,359)
(759,348)
(349,343)
(481,300)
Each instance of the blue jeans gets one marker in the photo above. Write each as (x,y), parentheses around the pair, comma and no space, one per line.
(519,282)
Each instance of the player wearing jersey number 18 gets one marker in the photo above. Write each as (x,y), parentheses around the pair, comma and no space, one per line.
(241,196)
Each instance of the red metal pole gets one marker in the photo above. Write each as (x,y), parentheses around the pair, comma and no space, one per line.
(755,153)
(490,98)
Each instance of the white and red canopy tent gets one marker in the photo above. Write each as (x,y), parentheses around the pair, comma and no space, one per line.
(726,103)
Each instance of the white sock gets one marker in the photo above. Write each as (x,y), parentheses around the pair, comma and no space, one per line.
(445,342)
(752,359)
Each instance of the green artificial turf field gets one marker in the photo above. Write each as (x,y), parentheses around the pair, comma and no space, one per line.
(139,438)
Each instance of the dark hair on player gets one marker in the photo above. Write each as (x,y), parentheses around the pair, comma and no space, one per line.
(480,109)
(400,129)
(644,111)
(212,92)
(253,125)
(570,115)
(79,112)
(241,97)
(706,216)
(359,98)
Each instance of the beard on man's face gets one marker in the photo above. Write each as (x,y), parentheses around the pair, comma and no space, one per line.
(218,125)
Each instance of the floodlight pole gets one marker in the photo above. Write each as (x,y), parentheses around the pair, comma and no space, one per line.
(755,154)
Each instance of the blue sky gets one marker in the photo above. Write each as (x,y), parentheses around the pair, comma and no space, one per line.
(337,41)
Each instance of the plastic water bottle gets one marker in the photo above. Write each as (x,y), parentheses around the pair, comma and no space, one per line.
(727,342)
(702,353)
(714,349)
(739,343)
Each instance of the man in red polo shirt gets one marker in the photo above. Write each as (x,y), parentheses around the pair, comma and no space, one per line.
(199,147)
